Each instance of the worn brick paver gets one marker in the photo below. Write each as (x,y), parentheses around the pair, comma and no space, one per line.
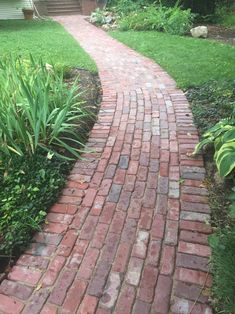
(125,236)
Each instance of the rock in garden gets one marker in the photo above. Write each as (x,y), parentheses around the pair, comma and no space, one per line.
(199,31)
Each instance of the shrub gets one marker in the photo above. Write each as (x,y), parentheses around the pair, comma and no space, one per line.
(171,20)
(29,186)
(38,110)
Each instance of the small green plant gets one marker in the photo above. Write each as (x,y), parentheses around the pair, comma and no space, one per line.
(29,186)
(98,17)
(170,20)
(38,110)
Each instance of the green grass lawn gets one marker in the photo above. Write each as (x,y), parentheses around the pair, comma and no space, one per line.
(189,61)
(46,39)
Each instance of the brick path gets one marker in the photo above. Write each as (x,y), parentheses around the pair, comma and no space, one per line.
(125,236)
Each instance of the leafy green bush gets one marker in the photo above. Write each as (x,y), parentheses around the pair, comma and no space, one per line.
(29,186)
(171,20)
(38,110)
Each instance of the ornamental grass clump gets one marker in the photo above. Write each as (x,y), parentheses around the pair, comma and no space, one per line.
(39,110)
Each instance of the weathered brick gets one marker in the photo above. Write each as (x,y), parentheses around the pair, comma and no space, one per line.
(167,260)
(120,176)
(9,305)
(107,213)
(88,263)
(193,262)
(183,306)
(125,300)
(194,237)
(59,292)
(67,243)
(64,209)
(15,289)
(114,193)
(24,274)
(190,292)
(88,227)
(53,271)
(193,276)
(196,226)
(171,233)
(99,235)
(74,296)
(161,301)
(34,261)
(48,238)
(149,200)
(111,290)
(117,222)
(88,305)
(158,226)
(37,301)
(123,162)
(147,284)
(141,307)
(145,218)
(134,271)
(194,249)
(121,258)
(140,246)
(89,197)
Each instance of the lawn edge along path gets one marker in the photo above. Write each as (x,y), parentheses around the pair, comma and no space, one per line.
(128,234)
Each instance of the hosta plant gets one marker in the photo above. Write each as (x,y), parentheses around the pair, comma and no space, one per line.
(222,135)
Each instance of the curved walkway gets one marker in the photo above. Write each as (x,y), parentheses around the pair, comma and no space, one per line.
(128,233)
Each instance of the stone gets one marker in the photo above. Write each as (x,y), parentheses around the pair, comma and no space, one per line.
(199,31)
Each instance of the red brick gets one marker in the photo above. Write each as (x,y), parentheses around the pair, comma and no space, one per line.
(133,167)
(89,305)
(74,200)
(89,197)
(15,289)
(194,237)
(52,227)
(193,276)
(194,198)
(97,205)
(146,218)
(64,209)
(105,187)
(48,238)
(80,217)
(158,226)
(99,235)
(167,260)
(96,180)
(195,249)
(107,213)
(142,173)
(161,207)
(34,261)
(118,222)
(149,200)
(59,292)
(119,176)
(53,271)
(196,226)
(147,284)
(161,301)
(141,307)
(171,233)
(134,209)
(88,227)
(77,254)
(10,305)
(77,185)
(74,296)
(88,263)
(193,262)
(48,309)
(73,192)
(124,200)
(61,218)
(121,258)
(134,271)
(154,251)
(164,169)
(130,182)
(125,300)
(67,243)
(27,275)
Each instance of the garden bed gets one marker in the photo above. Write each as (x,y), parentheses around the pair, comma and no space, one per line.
(33,183)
